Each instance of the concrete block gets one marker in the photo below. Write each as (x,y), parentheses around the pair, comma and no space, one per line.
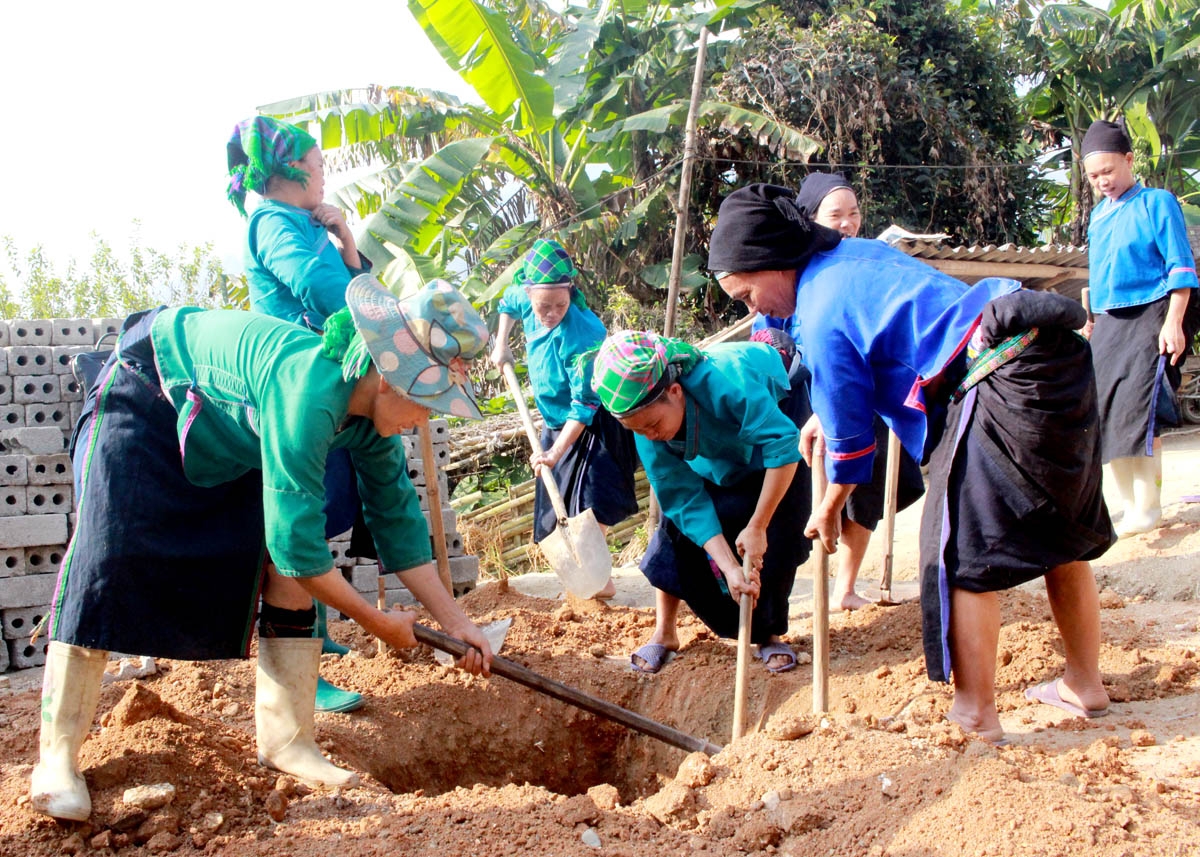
(13,500)
(5,334)
(30,331)
(23,654)
(57,414)
(12,562)
(14,470)
(3,361)
(30,531)
(12,416)
(338,550)
(4,647)
(30,360)
(35,389)
(72,331)
(48,469)
(464,569)
(18,623)
(365,579)
(46,558)
(62,356)
(449,519)
(70,390)
(6,389)
(439,430)
(76,413)
(454,545)
(48,499)
(30,440)
(30,590)
(104,326)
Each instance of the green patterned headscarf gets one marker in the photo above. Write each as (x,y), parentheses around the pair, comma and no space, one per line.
(260,148)
(631,365)
(548,266)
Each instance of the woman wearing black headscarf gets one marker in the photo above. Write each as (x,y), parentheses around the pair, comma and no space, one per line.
(1015,471)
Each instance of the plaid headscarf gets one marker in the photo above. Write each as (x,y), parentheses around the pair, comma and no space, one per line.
(630,367)
(260,148)
(547,265)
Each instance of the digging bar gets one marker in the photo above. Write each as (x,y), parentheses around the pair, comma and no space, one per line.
(570,695)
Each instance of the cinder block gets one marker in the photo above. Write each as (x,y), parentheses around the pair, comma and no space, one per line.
(30,531)
(439,430)
(48,499)
(29,590)
(5,334)
(338,550)
(29,331)
(62,356)
(76,413)
(6,389)
(464,569)
(14,470)
(47,558)
(365,578)
(12,562)
(454,545)
(12,416)
(30,360)
(18,623)
(3,647)
(23,654)
(57,415)
(102,327)
(72,331)
(70,390)
(47,469)
(449,519)
(13,500)
(4,361)
(30,440)
(35,389)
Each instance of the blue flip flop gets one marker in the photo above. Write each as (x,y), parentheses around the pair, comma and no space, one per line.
(654,657)
(770,650)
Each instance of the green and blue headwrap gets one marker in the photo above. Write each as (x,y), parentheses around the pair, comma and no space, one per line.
(260,148)
(632,367)
(548,266)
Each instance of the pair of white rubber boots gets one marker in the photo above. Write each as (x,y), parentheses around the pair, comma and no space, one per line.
(1138,481)
(283,720)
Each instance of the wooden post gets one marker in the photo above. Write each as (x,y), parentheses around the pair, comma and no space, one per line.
(437,529)
(820,634)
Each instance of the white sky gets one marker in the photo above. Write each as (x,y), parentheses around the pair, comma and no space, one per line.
(121,110)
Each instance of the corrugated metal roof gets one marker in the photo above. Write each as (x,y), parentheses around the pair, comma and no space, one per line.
(1059,267)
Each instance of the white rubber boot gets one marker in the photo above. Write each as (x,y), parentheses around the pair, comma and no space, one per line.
(1145,512)
(283,711)
(70,691)
(1119,475)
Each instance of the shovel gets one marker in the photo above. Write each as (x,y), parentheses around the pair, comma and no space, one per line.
(890,490)
(577,549)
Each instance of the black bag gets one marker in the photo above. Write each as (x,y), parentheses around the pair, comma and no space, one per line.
(86,365)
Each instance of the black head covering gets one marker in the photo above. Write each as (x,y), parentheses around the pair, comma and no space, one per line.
(817,186)
(1105,136)
(760,228)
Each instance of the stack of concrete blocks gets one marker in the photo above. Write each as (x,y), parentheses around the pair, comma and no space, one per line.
(363,574)
(40,401)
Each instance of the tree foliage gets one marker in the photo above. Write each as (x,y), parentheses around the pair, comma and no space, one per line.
(112,285)
(912,100)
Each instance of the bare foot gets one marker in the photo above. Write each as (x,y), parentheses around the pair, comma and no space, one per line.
(849,601)
(985,728)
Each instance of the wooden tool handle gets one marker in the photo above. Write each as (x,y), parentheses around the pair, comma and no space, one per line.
(890,490)
(820,598)
(535,443)
(433,492)
(570,695)
(742,675)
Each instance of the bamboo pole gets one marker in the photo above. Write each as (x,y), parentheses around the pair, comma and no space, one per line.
(820,635)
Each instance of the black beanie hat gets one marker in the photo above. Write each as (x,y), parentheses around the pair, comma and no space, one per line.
(760,228)
(1105,136)
(817,186)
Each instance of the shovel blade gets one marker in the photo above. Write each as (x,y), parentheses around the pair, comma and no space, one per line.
(579,555)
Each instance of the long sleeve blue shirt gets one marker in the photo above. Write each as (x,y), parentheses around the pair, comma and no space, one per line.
(1138,249)
(294,270)
(560,391)
(732,427)
(877,327)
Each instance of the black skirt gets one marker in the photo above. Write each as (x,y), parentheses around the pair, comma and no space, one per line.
(595,473)
(1014,483)
(1129,384)
(679,567)
(865,506)
(156,566)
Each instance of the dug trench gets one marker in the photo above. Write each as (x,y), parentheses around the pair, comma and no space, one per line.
(454,764)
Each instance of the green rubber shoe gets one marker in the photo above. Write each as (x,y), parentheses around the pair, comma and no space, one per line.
(332,699)
(328,645)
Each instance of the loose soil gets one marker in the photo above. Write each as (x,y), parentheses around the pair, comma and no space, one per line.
(455,765)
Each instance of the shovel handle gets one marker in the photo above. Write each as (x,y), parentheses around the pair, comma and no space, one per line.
(572,696)
(514,389)
(742,674)
(820,638)
(890,491)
